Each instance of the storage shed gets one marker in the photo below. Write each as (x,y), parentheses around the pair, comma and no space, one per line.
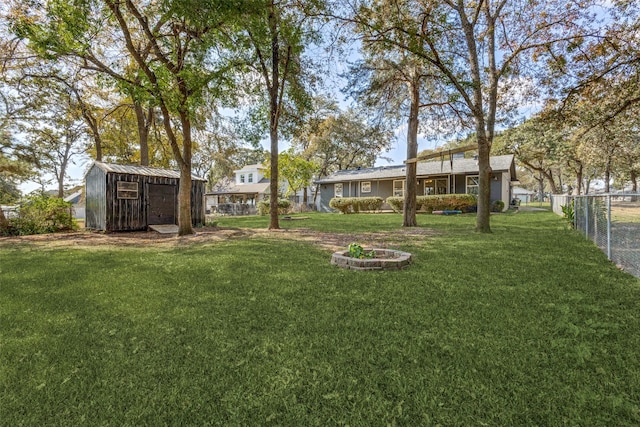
(127,198)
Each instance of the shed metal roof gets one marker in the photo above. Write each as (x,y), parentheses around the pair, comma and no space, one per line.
(445,167)
(141,170)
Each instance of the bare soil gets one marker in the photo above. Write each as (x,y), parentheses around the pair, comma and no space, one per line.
(211,235)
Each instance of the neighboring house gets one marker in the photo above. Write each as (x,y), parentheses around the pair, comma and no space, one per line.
(241,194)
(77,201)
(524,195)
(457,175)
(120,198)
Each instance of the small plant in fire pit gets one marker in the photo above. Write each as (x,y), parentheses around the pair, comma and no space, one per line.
(356,251)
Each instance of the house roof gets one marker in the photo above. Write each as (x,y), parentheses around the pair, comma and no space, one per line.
(141,170)
(228,186)
(519,190)
(250,168)
(446,167)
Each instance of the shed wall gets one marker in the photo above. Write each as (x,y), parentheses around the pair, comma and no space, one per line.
(95,192)
(106,212)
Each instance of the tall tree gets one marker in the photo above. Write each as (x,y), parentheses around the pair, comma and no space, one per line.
(476,47)
(396,82)
(343,140)
(168,41)
(271,47)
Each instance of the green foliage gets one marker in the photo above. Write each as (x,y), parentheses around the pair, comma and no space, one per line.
(356,204)
(497,206)
(40,214)
(568,213)
(264,207)
(9,191)
(293,171)
(356,251)
(463,202)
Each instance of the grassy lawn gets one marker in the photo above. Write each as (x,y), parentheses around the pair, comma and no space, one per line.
(530,325)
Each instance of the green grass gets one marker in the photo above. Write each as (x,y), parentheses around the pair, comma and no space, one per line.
(530,325)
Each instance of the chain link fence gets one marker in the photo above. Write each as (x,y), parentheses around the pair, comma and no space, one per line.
(611,221)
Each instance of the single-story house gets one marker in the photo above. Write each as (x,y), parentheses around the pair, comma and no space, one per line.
(523,194)
(456,175)
(123,198)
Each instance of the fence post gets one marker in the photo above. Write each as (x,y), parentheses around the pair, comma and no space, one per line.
(586,216)
(609,226)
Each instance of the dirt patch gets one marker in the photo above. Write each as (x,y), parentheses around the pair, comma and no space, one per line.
(206,235)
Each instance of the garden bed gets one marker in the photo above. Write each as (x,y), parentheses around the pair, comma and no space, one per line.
(384,259)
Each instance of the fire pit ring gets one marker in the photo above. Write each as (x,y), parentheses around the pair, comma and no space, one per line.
(385,259)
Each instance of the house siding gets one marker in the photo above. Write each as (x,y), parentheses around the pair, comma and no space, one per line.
(382,178)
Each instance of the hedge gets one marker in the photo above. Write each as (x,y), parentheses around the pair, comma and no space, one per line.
(438,202)
(40,214)
(356,204)
(264,206)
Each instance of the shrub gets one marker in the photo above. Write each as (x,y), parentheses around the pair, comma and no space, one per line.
(497,206)
(356,204)
(437,202)
(569,214)
(264,207)
(40,214)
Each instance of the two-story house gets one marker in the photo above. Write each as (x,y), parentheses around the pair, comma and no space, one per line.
(239,195)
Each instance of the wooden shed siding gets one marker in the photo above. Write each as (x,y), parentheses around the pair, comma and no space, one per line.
(131,214)
(197,203)
(106,212)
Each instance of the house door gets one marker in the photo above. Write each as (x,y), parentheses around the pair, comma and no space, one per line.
(162,204)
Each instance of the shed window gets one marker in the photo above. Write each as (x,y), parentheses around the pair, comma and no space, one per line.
(127,190)
(472,184)
(365,187)
(337,190)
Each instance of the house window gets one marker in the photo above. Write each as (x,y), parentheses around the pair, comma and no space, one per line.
(436,186)
(472,185)
(365,187)
(127,190)
(250,178)
(242,178)
(337,190)
(398,188)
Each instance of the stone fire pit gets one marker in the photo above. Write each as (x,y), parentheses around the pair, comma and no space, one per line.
(385,259)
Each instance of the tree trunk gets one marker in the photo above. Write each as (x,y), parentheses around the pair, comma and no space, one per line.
(143,132)
(607,175)
(273,184)
(634,181)
(411,181)
(185,226)
(579,178)
(273,119)
(484,185)
(541,187)
(3,221)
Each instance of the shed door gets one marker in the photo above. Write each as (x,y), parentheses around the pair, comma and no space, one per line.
(162,204)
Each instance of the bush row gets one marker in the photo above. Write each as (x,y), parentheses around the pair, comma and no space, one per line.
(38,215)
(356,204)
(438,202)
(264,207)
